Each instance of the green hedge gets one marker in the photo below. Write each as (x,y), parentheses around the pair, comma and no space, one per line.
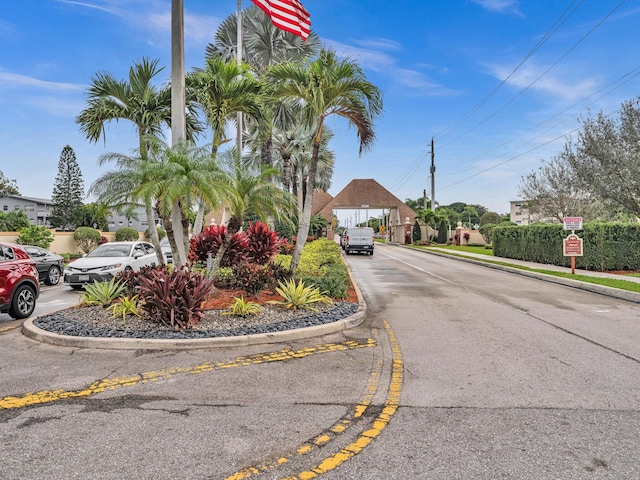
(321,265)
(607,245)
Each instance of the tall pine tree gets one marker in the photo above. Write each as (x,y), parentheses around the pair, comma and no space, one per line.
(68,192)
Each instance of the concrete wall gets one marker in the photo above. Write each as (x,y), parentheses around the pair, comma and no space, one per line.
(63,242)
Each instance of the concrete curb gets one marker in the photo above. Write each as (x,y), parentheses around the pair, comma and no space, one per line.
(35,333)
(589,287)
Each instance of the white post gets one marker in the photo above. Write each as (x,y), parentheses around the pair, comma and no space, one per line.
(239,60)
(178,103)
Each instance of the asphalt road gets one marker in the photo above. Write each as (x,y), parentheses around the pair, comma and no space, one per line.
(459,372)
(52,298)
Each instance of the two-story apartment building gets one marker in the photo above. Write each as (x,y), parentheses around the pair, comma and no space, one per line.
(38,210)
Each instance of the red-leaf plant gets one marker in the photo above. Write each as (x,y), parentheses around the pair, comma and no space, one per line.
(175,299)
(209,241)
(263,243)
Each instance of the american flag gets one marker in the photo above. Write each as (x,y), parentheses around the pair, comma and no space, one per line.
(288,15)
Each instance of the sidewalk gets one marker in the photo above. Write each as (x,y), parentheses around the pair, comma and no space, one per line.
(538,266)
(510,265)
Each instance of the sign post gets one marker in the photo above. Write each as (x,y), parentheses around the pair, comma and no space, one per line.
(572,245)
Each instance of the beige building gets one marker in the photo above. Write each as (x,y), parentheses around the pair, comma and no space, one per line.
(519,213)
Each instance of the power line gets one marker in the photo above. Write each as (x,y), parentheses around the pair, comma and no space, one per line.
(523,153)
(620,81)
(553,29)
(539,76)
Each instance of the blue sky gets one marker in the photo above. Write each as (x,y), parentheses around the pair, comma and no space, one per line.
(499,84)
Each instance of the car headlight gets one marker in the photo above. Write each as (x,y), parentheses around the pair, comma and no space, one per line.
(111,267)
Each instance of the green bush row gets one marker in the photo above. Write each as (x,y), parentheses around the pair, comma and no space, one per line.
(606,245)
(321,265)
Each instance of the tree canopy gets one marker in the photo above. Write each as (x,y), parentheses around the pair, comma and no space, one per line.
(8,187)
(68,192)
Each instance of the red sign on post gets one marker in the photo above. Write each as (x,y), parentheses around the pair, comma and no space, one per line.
(572,246)
(572,223)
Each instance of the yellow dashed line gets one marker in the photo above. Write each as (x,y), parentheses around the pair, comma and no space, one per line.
(391,405)
(48,396)
(322,439)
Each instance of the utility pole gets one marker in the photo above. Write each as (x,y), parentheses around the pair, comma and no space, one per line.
(433,177)
(424,199)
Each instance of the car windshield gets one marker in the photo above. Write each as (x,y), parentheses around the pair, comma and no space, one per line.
(106,250)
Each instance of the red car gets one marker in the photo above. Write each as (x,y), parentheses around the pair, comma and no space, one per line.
(19,285)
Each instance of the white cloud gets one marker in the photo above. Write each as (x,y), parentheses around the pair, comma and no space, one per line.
(385,64)
(500,6)
(154,19)
(566,83)
(8,79)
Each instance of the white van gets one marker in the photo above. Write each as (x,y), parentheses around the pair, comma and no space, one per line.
(359,239)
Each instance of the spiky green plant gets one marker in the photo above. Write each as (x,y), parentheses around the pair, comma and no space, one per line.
(297,295)
(243,308)
(103,293)
(125,306)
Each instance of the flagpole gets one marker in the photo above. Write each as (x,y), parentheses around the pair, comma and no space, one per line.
(178,103)
(239,60)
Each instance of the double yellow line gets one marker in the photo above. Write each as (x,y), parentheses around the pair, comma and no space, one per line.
(48,396)
(365,437)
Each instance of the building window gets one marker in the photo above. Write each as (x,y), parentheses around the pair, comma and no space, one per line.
(518,213)
(5,207)
(29,208)
(17,207)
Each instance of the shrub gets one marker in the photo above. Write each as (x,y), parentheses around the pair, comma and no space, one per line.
(175,298)
(87,238)
(125,306)
(262,243)
(442,232)
(486,231)
(243,308)
(335,283)
(103,293)
(131,278)
(224,278)
(416,232)
(251,277)
(37,235)
(285,248)
(322,265)
(209,241)
(276,273)
(127,234)
(296,296)
(490,217)
(161,233)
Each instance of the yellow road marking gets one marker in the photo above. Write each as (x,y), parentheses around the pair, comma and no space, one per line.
(6,329)
(323,438)
(48,396)
(391,405)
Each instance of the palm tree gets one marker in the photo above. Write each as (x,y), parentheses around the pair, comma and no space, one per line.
(250,190)
(138,101)
(264,45)
(222,89)
(323,87)
(121,187)
(180,176)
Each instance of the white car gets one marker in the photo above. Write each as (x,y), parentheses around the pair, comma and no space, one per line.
(107,260)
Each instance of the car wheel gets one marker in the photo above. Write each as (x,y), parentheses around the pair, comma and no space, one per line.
(53,276)
(23,302)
